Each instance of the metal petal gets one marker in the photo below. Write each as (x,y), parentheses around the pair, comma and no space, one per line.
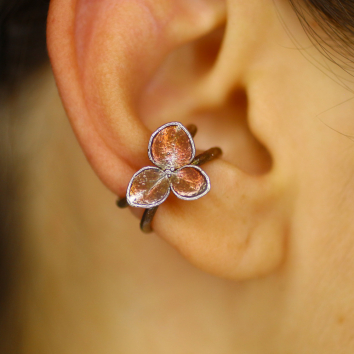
(190,182)
(171,146)
(148,187)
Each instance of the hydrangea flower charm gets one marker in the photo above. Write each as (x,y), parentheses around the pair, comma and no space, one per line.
(171,149)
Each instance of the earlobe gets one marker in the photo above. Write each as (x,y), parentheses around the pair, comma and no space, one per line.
(105,54)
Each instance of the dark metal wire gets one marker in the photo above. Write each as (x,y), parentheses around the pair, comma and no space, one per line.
(206,156)
(146,220)
(192,129)
(122,203)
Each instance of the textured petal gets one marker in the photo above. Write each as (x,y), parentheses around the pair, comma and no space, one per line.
(148,187)
(190,182)
(171,146)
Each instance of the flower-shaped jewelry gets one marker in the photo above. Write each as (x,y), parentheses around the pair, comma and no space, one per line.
(171,148)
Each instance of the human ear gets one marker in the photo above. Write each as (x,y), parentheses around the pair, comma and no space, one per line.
(115,66)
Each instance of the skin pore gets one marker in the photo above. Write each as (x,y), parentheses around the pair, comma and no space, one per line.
(264,263)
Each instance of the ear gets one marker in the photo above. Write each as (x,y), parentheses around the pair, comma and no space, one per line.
(125,67)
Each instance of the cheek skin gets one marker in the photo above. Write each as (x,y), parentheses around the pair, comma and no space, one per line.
(299,106)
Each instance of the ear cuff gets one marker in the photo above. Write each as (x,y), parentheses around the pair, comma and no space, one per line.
(171,149)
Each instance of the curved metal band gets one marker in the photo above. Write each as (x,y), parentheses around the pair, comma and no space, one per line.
(206,156)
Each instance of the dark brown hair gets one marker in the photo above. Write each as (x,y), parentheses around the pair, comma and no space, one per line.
(333,34)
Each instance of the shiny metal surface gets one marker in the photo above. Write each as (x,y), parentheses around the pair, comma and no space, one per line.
(190,183)
(149,187)
(171,146)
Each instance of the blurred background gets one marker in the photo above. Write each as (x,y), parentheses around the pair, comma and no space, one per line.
(22,54)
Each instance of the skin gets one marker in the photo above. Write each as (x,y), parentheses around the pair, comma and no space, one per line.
(262,264)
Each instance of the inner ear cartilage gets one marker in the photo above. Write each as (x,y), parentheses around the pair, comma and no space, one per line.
(173,153)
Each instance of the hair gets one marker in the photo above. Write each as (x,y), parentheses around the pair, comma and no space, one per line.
(23,50)
(333,34)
